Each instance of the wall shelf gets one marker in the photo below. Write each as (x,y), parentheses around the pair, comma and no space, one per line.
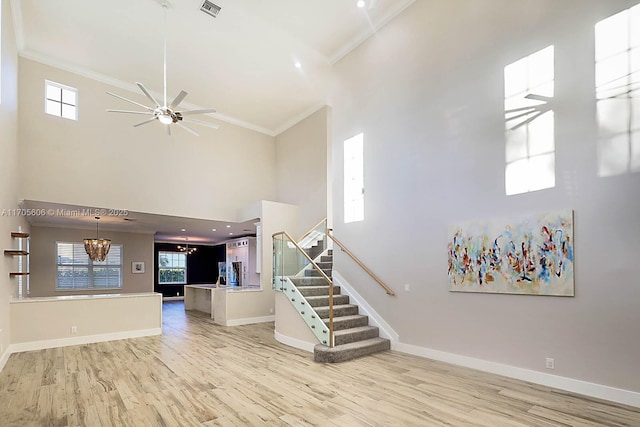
(15,252)
(22,252)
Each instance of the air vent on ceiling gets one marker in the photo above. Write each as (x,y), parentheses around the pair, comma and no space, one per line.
(210,8)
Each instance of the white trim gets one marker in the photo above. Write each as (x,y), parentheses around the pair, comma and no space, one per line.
(599,391)
(386,331)
(5,357)
(173,298)
(294,342)
(87,339)
(130,87)
(361,37)
(246,321)
(300,117)
(626,397)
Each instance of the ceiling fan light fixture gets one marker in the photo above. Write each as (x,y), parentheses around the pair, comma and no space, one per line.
(165,119)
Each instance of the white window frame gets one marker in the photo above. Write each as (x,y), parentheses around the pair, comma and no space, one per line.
(90,265)
(173,267)
(354,179)
(525,109)
(62,103)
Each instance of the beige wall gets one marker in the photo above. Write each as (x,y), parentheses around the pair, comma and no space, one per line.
(50,321)
(8,170)
(135,247)
(427,91)
(211,176)
(301,172)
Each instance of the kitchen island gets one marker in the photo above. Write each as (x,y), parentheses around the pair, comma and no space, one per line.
(228,305)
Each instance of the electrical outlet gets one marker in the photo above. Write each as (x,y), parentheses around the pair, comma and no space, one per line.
(407,287)
(550,363)
(74,329)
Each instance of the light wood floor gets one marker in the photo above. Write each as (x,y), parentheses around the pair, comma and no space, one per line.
(201,374)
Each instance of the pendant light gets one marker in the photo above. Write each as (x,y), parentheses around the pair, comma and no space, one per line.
(97,248)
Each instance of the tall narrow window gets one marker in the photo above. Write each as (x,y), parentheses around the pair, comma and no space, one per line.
(354,179)
(617,84)
(61,100)
(529,123)
(172,268)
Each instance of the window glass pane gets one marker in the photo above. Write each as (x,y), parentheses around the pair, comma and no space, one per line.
(613,155)
(516,146)
(541,138)
(612,35)
(516,177)
(354,179)
(68,112)
(53,108)
(69,96)
(54,93)
(542,173)
(541,67)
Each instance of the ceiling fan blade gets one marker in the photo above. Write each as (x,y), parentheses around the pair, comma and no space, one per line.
(187,128)
(177,100)
(204,111)
(201,123)
(145,122)
(128,100)
(129,111)
(146,92)
(168,128)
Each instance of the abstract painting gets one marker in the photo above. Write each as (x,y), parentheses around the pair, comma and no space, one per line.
(530,255)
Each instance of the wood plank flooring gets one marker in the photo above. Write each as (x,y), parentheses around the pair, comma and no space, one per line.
(201,374)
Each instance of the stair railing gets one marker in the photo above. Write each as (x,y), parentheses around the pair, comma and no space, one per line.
(360,263)
(290,259)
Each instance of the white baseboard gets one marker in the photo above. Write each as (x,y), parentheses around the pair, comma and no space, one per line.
(599,391)
(247,321)
(294,342)
(386,331)
(4,357)
(87,339)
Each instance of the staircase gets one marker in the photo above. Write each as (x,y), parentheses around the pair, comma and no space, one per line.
(352,334)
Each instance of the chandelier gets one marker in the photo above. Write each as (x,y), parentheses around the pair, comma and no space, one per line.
(97,248)
(186,249)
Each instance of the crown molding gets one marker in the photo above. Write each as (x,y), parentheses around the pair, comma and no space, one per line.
(364,35)
(130,87)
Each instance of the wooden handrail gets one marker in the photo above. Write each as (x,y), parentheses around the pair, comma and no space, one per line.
(322,274)
(357,261)
(311,229)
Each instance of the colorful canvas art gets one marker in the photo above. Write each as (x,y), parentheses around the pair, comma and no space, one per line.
(530,255)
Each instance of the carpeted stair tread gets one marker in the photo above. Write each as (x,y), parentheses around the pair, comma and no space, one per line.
(346,322)
(312,272)
(344,352)
(339,310)
(301,281)
(309,291)
(323,300)
(360,333)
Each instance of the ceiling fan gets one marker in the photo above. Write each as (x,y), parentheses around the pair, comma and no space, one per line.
(167,114)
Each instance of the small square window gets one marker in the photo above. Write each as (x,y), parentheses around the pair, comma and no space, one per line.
(61,100)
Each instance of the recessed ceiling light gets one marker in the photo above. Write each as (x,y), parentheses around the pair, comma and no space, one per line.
(230,234)
(213,229)
(360,3)
(228,226)
(183,229)
(298,65)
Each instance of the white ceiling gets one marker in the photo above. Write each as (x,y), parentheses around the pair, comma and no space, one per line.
(241,63)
